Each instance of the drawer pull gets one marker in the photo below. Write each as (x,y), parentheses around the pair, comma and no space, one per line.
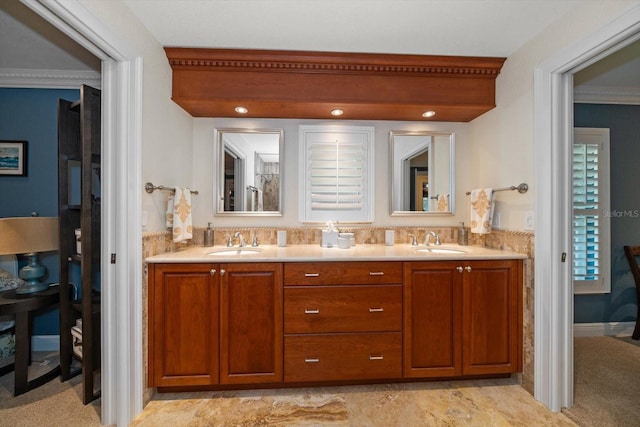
(376,309)
(311,274)
(311,360)
(311,311)
(376,357)
(376,273)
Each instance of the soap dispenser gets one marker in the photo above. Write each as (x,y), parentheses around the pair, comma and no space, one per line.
(463,235)
(208,236)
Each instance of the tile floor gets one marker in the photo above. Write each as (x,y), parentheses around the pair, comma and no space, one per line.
(499,402)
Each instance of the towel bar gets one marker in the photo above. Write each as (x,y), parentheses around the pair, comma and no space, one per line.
(150,188)
(522,188)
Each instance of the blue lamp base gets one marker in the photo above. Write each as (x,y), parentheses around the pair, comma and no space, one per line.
(31,274)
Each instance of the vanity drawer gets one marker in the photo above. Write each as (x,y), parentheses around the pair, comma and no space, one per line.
(316,309)
(342,273)
(342,357)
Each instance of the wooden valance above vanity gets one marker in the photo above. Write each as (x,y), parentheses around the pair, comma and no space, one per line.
(303,84)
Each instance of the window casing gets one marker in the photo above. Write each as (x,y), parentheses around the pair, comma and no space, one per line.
(337,169)
(591,229)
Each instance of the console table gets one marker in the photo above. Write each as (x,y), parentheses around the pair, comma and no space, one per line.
(23,307)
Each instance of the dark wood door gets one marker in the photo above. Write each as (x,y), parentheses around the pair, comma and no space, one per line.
(251,323)
(184,324)
(492,321)
(432,319)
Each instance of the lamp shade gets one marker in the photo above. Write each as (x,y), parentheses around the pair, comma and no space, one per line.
(23,235)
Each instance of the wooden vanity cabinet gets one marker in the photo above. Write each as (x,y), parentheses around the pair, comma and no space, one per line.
(215,324)
(462,318)
(343,321)
(183,324)
(300,323)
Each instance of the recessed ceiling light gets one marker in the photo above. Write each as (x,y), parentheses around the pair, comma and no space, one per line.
(337,112)
(241,110)
(428,114)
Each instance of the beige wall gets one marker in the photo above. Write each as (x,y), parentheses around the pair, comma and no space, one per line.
(494,150)
(204,171)
(503,139)
(166,128)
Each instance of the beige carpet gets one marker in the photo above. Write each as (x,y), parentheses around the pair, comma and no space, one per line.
(51,405)
(607,382)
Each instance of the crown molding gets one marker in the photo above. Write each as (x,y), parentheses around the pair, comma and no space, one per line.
(606,95)
(307,84)
(57,79)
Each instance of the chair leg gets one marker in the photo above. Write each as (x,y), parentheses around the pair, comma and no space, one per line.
(636,331)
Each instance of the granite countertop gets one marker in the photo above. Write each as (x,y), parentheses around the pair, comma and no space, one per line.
(316,253)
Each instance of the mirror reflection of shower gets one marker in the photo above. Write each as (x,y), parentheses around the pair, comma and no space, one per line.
(250,165)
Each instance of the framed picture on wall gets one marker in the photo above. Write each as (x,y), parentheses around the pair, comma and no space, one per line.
(13,158)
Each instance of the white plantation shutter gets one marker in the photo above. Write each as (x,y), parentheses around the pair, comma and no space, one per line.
(591,222)
(337,164)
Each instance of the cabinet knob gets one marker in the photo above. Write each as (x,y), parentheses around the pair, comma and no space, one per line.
(460,269)
(371,357)
(212,272)
(311,360)
(311,274)
(468,268)
(376,273)
(376,309)
(311,311)
(222,272)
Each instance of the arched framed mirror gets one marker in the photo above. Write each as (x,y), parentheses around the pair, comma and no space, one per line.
(422,173)
(249,171)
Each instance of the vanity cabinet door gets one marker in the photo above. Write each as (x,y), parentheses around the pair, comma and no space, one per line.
(432,319)
(183,319)
(492,317)
(251,322)
(462,318)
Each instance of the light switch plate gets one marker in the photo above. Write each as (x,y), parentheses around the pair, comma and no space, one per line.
(497,220)
(529,223)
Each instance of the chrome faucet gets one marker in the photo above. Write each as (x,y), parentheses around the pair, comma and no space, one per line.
(229,241)
(240,237)
(414,240)
(434,234)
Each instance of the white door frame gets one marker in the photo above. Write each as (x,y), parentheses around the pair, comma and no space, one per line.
(553,112)
(121,315)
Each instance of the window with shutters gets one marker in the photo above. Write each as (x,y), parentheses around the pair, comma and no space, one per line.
(336,164)
(591,213)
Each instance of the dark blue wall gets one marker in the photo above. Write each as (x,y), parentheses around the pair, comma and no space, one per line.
(31,115)
(623,122)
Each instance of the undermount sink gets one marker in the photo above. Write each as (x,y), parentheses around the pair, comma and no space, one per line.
(439,250)
(235,251)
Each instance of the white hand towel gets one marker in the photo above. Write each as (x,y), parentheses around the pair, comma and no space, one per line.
(481,210)
(179,214)
(443,203)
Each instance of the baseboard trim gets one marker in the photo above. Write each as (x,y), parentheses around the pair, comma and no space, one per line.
(45,343)
(617,329)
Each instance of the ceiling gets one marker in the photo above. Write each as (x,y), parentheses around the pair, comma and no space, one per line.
(429,27)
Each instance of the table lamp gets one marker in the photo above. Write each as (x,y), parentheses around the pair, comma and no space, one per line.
(29,235)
